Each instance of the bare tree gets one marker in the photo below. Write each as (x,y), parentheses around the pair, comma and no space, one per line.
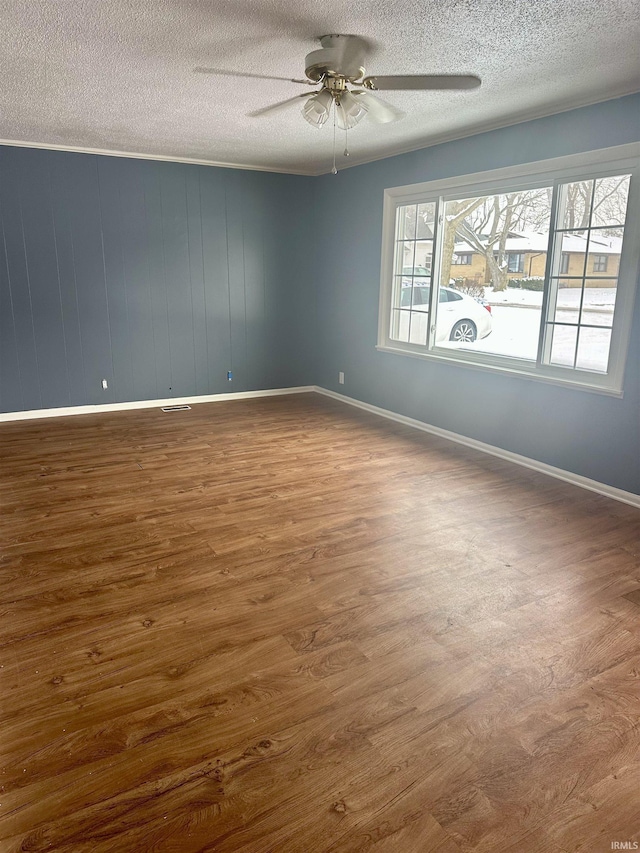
(577,205)
(609,203)
(486,223)
(455,214)
(489,221)
(418,221)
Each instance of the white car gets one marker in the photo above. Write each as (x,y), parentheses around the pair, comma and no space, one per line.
(461,318)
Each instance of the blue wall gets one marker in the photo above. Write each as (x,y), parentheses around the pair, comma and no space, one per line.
(158,277)
(586,433)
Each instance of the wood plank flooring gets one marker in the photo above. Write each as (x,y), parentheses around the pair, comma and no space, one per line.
(286,626)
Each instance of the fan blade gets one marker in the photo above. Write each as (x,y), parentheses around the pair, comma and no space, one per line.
(223,73)
(422,82)
(379,111)
(281,105)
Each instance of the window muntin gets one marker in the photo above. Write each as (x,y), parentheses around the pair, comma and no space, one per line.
(413,252)
(582,318)
(498,226)
(581,309)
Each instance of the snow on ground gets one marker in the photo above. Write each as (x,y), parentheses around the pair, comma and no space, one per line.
(512,296)
(516,316)
(595,298)
(516,328)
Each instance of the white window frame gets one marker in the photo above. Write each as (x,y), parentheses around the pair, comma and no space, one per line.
(623,159)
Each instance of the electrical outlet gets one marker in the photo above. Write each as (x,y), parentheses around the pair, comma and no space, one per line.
(105,384)
(341,378)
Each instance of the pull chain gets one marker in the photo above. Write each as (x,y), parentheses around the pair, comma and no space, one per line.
(334,170)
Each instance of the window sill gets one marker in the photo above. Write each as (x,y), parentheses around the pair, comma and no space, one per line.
(510,369)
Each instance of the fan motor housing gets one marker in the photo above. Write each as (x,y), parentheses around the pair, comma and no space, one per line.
(330,61)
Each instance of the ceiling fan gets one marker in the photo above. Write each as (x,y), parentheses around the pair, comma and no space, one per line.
(338,67)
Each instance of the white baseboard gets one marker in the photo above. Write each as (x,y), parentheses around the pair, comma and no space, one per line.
(151,404)
(559,473)
(525,461)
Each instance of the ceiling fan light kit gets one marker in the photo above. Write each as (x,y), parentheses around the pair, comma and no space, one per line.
(316,110)
(349,111)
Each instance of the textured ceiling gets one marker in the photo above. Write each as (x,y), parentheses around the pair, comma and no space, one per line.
(117,75)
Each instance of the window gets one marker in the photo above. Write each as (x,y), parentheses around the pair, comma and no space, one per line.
(532,307)
(515,262)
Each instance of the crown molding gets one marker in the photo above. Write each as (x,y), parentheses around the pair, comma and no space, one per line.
(418,145)
(164,158)
(478,130)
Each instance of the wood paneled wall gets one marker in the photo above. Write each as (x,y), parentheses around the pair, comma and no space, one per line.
(158,277)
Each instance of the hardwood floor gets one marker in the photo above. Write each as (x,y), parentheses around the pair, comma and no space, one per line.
(285,625)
